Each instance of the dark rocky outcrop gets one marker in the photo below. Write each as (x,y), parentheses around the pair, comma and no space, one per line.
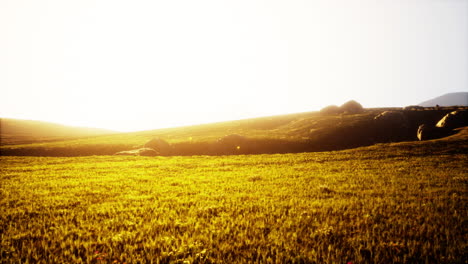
(427,132)
(445,126)
(454,120)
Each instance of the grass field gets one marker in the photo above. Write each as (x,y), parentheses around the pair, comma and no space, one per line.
(389,203)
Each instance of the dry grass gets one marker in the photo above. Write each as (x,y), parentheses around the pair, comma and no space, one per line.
(400,203)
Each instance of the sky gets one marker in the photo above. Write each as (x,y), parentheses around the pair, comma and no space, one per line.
(147,64)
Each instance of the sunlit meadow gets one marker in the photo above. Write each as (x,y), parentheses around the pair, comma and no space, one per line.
(369,205)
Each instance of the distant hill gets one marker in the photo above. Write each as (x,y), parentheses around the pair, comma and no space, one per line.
(450,99)
(16,131)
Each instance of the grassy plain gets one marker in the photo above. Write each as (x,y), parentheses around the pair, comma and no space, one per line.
(389,203)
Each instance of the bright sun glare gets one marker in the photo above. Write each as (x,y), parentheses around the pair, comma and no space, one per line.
(148,64)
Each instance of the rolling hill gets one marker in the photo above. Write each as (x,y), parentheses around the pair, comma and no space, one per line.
(16,131)
(450,99)
(293,133)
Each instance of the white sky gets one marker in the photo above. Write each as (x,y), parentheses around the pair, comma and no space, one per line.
(145,64)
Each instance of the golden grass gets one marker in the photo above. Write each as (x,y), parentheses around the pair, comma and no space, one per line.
(400,203)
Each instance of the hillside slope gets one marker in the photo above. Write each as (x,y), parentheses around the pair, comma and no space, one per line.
(450,99)
(16,131)
(302,132)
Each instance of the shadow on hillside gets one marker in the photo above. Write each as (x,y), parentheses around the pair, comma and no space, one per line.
(335,132)
(339,137)
(71,151)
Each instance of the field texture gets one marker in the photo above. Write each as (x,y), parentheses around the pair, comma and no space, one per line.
(399,203)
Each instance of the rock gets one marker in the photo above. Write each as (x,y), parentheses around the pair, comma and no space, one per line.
(128,153)
(426,132)
(413,107)
(351,107)
(160,145)
(392,119)
(331,110)
(138,152)
(454,120)
(391,126)
(149,152)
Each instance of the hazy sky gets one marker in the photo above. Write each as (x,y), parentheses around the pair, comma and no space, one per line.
(144,64)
